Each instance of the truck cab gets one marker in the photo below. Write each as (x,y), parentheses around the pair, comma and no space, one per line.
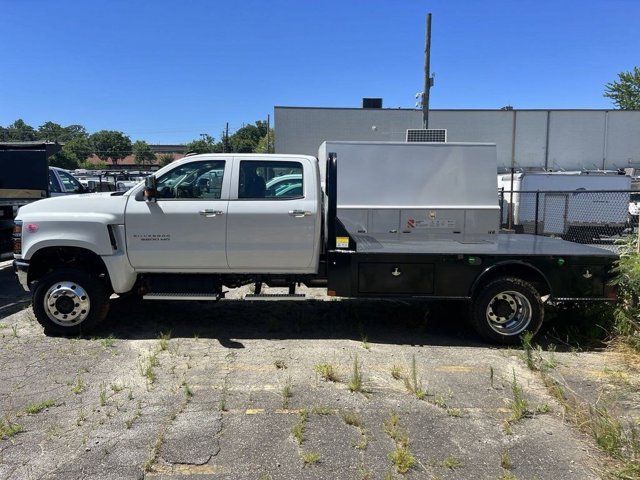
(215,214)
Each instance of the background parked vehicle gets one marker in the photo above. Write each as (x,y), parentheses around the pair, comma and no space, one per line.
(24,178)
(582,205)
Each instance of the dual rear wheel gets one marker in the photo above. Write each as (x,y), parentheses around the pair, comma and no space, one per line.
(506,308)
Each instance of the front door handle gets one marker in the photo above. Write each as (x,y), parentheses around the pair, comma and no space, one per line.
(299,213)
(211,213)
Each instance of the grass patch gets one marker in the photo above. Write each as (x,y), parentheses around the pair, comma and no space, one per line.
(355,381)
(222,404)
(402,458)
(397,372)
(108,342)
(153,455)
(327,372)
(79,386)
(454,412)
(130,421)
(38,407)
(309,458)
(505,461)
(188,392)
(147,365)
(9,429)
(103,395)
(412,383)
(116,387)
(298,429)
(452,463)
(518,404)
(320,410)
(287,393)
(163,343)
(351,418)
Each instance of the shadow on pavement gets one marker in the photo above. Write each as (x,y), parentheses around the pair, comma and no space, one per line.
(12,297)
(231,321)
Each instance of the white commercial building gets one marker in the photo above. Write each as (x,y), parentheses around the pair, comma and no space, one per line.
(526,139)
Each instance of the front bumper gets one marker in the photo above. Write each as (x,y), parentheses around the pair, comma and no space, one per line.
(21,268)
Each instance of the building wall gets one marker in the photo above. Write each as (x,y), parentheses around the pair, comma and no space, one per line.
(551,139)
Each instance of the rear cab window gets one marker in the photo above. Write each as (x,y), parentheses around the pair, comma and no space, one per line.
(270,180)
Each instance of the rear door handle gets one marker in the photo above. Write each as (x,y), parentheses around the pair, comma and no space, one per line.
(211,213)
(299,213)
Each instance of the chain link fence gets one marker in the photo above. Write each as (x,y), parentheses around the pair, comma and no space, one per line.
(582,216)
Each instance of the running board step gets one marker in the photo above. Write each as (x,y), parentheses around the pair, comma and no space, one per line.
(274,296)
(181,296)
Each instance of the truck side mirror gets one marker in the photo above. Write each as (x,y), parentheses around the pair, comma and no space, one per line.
(150,191)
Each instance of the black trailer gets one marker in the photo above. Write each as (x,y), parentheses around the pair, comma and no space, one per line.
(24,178)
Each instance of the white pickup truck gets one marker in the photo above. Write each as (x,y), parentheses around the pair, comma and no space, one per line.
(395,220)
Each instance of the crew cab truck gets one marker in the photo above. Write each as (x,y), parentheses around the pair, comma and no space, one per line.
(364,219)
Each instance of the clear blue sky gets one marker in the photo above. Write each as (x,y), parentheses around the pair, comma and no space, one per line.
(167,70)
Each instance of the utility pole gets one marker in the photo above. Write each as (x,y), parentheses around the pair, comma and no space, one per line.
(226,138)
(428,81)
(268,128)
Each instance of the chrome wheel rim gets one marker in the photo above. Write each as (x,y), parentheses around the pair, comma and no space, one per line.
(509,313)
(67,303)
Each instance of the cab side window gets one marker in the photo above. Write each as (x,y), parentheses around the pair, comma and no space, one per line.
(270,180)
(196,180)
(54,186)
(71,185)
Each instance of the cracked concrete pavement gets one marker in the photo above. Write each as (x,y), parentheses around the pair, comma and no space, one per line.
(214,391)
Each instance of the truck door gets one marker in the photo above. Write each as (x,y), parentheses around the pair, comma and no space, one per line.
(185,228)
(273,210)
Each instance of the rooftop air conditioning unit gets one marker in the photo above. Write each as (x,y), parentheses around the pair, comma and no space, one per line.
(430,135)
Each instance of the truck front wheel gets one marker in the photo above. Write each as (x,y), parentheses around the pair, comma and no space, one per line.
(505,309)
(70,302)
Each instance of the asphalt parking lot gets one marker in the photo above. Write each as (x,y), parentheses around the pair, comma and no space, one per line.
(270,390)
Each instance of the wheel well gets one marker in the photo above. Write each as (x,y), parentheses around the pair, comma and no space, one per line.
(522,271)
(50,258)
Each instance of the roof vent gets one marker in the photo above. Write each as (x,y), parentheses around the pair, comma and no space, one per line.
(371,103)
(430,135)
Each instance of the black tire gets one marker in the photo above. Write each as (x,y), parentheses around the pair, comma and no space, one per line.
(95,288)
(490,294)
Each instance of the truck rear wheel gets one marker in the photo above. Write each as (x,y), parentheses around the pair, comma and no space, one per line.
(70,302)
(505,309)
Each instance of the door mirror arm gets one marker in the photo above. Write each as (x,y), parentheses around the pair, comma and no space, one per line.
(150,190)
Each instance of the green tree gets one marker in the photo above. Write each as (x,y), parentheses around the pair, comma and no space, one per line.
(265,145)
(19,131)
(110,145)
(64,159)
(625,92)
(142,153)
(165,159)
(246,139)
(54,132)
(51,132)
(80,147)
(206,144)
